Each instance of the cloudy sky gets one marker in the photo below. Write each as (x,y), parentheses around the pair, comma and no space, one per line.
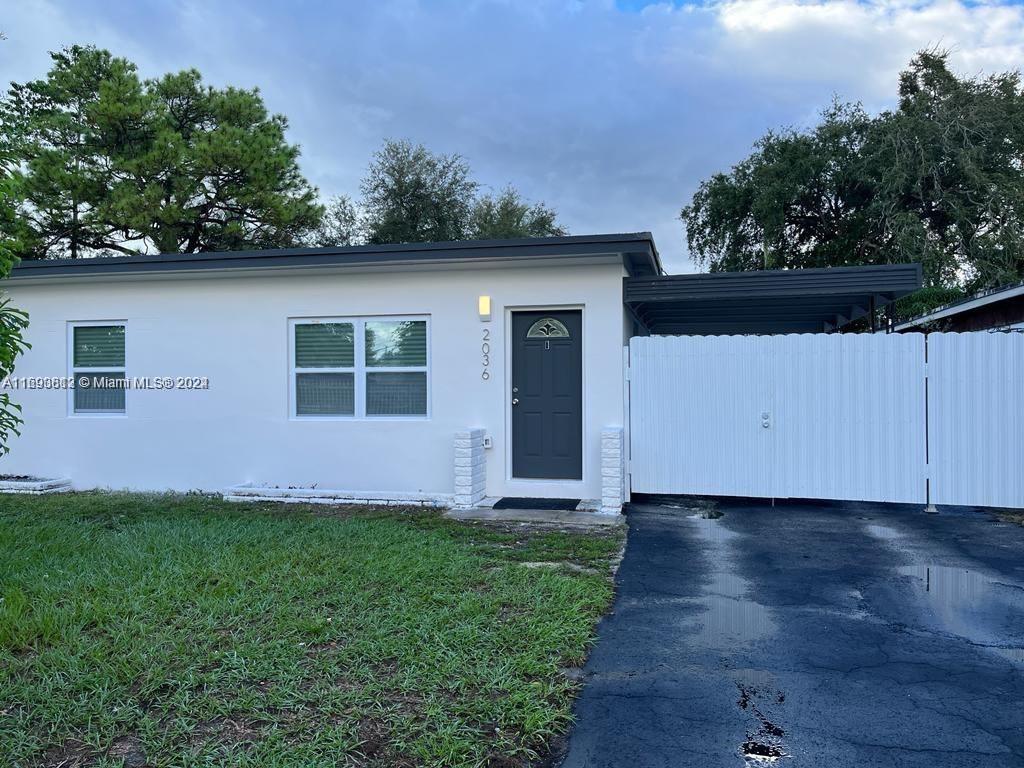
(612,112)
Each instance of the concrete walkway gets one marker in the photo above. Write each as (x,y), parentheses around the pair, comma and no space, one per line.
(810,636)
(573,519)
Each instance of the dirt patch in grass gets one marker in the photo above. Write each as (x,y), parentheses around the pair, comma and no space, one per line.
(233,730)
(128,750)
(376,746)
(71,754)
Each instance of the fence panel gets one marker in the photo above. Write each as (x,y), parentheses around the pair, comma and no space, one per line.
(695,415)
(850,416)
(976,418)
(801,416)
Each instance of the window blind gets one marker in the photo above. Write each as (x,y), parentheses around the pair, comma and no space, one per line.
(99,345)
(103,392)
(325,394)
(396,343)
(324,345)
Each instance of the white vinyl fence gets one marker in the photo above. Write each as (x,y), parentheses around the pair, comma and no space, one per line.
(976,418)
(853,416)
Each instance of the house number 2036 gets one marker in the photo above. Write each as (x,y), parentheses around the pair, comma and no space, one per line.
(485,354)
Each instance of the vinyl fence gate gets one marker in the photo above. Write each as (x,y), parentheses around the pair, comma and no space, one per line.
(874,417)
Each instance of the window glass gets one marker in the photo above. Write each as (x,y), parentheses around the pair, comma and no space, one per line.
(324,394)
(548,328)
(99,392)
(98,346)
(396,343)
(396,394)
(324,345)
(361,367)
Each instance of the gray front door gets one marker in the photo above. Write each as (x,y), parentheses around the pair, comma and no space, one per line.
(547,395)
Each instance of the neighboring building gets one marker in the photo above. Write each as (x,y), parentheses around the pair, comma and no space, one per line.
(436,373)
(999,309)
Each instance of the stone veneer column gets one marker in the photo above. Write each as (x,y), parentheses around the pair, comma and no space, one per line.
(613,471)
(470,468)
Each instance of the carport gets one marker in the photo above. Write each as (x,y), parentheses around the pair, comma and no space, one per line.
(765,302)
(738,384)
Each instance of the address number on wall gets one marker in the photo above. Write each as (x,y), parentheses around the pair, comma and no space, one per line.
(485,354)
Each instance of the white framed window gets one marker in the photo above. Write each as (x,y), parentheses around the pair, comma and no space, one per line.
(360,367)
(96,361)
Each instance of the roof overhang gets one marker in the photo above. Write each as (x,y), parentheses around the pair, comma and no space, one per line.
(970,304)
(770,301)
(636,250)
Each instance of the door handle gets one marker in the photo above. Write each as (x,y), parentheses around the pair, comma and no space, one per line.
(515,401)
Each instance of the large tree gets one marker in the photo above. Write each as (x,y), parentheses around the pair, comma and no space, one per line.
(936,180)
(12,321)
(113,163)
(413,195)
(949,163)
(65,176)
(410,195)
(508,215)
(797,201)
(343,224)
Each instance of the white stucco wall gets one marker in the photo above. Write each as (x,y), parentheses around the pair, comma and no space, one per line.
(234,330)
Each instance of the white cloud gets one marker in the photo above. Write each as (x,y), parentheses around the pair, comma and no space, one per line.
(612,116)
(859,47)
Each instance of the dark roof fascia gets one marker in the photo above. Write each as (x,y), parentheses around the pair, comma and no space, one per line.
(763,309)
(970,303)
(772,301)
(884,279)
(637,249)
(739,329)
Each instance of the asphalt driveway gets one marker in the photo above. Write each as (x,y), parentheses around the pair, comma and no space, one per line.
(810,635)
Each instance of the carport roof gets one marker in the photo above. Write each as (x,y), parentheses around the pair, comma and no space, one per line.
(769,301)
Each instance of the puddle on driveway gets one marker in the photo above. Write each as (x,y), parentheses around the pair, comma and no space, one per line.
(731,618)
(730,621)
(969,603)
(883,532)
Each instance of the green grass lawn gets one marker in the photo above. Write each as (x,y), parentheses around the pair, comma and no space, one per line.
(187,631)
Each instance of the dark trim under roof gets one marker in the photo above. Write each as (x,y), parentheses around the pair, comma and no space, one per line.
(770,301)
(637,249)
(970,303)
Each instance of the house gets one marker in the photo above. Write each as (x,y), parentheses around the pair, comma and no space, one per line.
(444,373)
(996,310)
